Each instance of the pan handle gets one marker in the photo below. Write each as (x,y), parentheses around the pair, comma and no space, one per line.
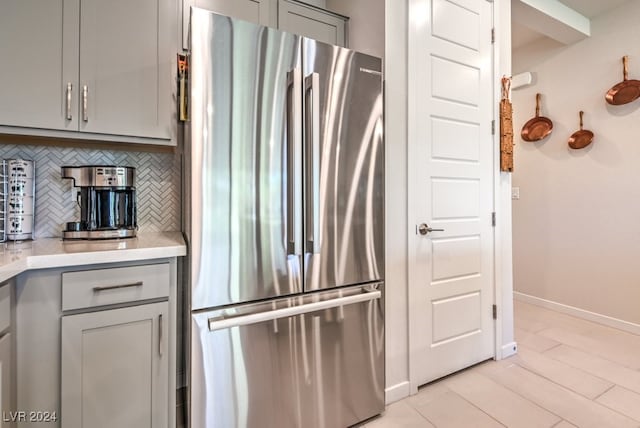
(581,114)
(625,67)
(506,85)
(538,104)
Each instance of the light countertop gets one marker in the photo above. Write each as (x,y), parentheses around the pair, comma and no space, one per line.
(18,257)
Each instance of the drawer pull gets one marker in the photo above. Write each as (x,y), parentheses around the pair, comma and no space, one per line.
(69,89)
(115,287)
(85,94)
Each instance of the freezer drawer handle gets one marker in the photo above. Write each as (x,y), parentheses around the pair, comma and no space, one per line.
(221,324)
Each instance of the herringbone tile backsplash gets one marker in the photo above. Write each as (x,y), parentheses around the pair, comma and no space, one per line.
(157,185)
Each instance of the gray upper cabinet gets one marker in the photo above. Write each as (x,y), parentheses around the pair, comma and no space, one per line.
(124,67)
(286,15)
(99,69)
(33,70)
(308,21)
(257,11)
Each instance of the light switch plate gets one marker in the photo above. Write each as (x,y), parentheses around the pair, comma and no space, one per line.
(515,193)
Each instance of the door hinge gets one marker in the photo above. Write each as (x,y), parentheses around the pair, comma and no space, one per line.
(493,127)
(493,35)
(495,312)
(493,219)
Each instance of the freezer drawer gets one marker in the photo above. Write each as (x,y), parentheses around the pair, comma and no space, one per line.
(311,361)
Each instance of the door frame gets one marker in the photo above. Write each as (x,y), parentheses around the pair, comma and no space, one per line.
(501,275)
(503,265)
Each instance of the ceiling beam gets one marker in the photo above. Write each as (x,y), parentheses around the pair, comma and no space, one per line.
(552,18)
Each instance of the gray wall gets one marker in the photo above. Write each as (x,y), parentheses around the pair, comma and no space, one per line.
(157,174)
(576,226)
(366,28)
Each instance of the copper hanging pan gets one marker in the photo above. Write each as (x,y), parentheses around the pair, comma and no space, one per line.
(582,138)
(537,128)
(625,91)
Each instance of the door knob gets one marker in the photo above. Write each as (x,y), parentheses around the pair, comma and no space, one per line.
(424,228)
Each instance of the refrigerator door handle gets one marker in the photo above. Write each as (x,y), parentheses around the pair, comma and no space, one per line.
(312,146)
(217,323)
(294,135)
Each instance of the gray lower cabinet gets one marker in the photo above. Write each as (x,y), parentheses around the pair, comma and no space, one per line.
(115,368)
(90,69)
(96,345)
(5,382)
(7,409)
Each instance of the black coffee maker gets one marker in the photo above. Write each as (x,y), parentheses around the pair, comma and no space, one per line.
(107,199)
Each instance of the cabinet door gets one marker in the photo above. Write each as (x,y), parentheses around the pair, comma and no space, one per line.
(311,22)
(256,11)
(115,368)
(39,57)
(5,380)
(124,68)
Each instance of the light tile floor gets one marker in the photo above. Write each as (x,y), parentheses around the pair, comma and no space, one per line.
(568,373)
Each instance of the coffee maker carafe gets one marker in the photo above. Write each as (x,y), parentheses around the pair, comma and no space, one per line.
(107,199)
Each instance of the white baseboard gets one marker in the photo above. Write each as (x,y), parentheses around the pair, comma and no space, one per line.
(579,313)
(508,350)
(397,392)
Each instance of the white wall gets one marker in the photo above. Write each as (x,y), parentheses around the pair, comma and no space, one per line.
(576,234)
(396,317)
(376,26)
(366,28)
(505,344)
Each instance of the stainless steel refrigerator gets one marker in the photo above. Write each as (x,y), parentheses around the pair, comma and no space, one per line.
(285,185)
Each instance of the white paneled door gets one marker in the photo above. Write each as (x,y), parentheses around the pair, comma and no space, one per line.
(451,191)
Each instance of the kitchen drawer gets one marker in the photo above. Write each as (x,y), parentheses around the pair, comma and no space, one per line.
(99,287)
(5,307)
